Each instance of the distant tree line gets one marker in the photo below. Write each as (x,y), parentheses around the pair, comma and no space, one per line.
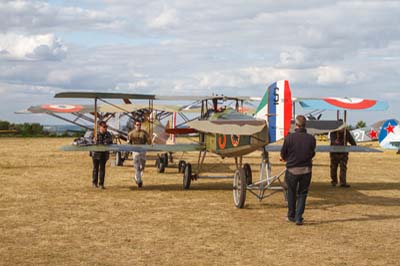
(30,130)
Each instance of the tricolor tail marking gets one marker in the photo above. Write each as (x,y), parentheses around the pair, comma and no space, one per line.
(276,109)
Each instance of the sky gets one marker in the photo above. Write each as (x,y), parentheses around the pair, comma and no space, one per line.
(184,47)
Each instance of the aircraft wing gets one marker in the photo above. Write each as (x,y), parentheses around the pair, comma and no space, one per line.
(395,143)
(136,148)
(315,127)
(105,108)
(333,104)
(328,148)
(234,127)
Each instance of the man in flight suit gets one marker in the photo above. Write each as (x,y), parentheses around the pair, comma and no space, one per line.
(138,136)
(340,158)
(100,158)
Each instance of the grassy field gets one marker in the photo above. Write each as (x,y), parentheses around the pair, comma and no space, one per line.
(50,214)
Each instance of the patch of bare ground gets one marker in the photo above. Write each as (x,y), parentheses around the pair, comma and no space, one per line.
(50,214)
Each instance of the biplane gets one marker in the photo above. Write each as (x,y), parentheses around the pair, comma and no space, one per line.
(229,133)
(120,118)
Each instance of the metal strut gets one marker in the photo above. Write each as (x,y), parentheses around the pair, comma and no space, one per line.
(267,182)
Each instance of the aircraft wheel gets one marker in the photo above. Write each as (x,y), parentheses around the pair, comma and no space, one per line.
(171,158)
(118,159)
(181,166)
(165,159)
(160,165)
(187,176)
(239,188)
(248,173)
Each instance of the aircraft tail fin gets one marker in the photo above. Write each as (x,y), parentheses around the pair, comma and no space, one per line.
(276,108)
(389,136)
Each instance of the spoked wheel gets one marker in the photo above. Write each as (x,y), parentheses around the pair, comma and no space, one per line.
(187,176)
(248,173)
(239,188)
(165,159)
(181,166)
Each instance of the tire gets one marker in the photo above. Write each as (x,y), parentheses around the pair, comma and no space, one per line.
(181,166)
(248,173)
(239,188)
(187,176)
(160,166)
(118,159)
(164,158)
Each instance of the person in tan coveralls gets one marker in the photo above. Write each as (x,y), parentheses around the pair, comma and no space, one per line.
(138,136)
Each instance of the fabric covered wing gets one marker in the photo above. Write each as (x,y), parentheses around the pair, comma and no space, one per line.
(328,148)
(136,148)
(333,104)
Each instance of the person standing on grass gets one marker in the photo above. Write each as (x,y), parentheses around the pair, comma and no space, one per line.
(100,158)
(297,151)
(138,136)
(338,138)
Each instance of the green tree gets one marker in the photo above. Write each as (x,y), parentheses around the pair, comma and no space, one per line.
(4,125)
(361,124)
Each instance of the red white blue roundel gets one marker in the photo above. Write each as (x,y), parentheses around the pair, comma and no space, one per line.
(351,103)
(62,108)
(343,104)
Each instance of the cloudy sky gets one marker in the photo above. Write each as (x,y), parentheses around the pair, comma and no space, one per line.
(181,47)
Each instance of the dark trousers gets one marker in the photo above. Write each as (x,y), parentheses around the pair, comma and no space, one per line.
(339,159)
(99,163)
(297,194)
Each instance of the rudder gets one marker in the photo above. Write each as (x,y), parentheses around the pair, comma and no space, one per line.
(276,108)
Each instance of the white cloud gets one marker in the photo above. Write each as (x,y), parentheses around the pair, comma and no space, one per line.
(167,18)
(330,75)
(36,47)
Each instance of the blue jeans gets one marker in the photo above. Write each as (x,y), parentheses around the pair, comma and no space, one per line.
(297,193)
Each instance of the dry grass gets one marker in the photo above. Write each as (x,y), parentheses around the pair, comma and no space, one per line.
(50,215)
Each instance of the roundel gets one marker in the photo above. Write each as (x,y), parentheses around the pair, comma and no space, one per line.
(350,103)
(222,141)
(62,108)
(235,140)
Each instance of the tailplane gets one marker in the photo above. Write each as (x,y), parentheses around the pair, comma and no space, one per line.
(276,108)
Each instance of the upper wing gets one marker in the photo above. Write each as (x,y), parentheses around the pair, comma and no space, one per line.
(342,104)
(136,148)
(57,108)
(328,148)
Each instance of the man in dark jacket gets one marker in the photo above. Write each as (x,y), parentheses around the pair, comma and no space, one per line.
(297,151)
(100,158)
(340,158)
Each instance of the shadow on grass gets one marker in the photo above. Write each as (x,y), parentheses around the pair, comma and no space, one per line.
(365,218)
(337,196)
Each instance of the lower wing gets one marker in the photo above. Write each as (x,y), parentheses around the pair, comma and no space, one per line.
(135,148)
(328,148)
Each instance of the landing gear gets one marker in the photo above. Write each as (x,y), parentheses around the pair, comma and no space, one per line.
(181,166)
(119,161)
(160,164)
(187,176)
(239,188)
(248,174)
(164,156)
